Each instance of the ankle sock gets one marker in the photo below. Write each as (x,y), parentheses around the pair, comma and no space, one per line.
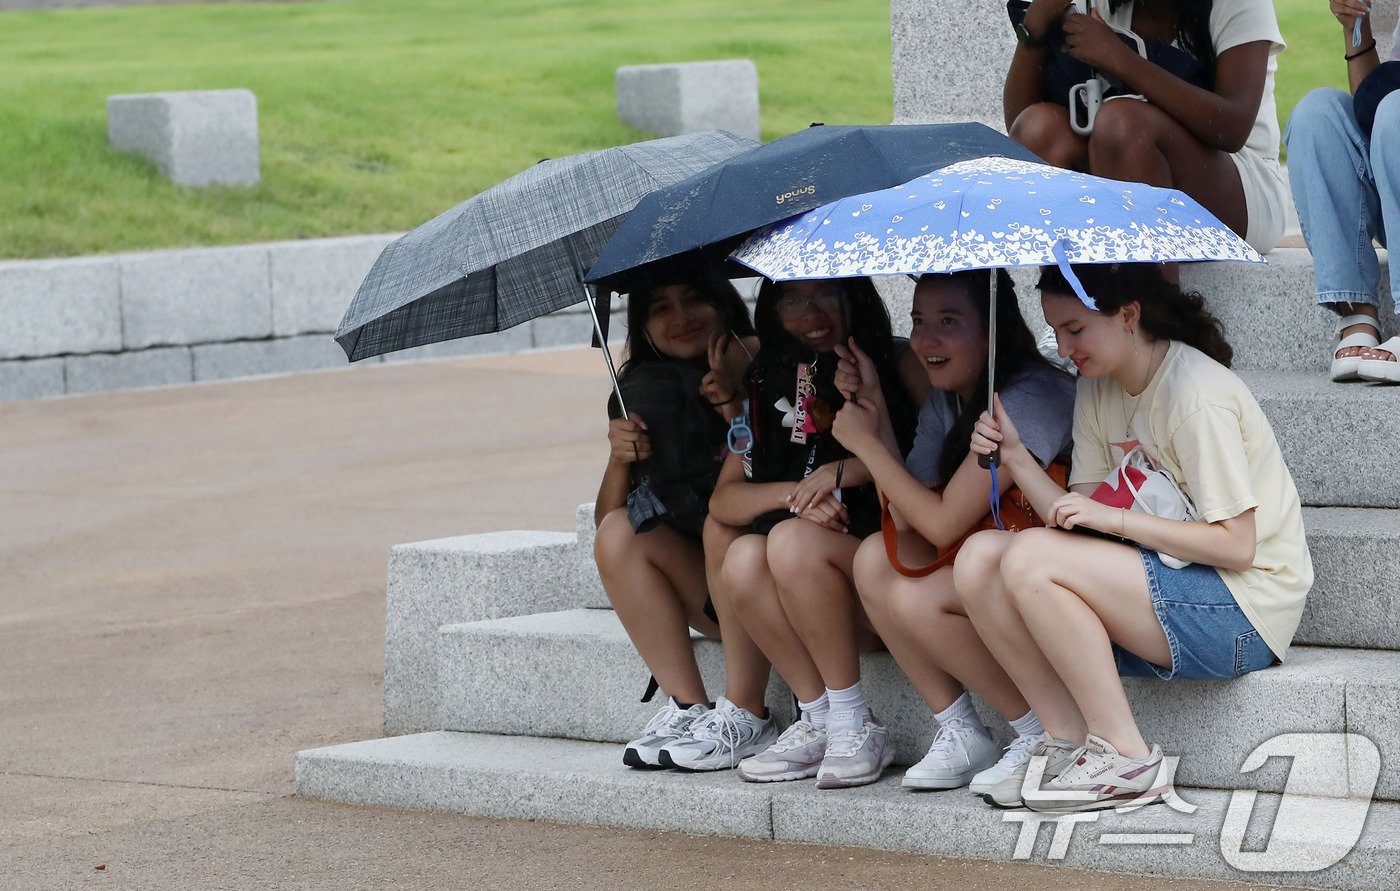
(851,701)
(961,708)
(1027,725)
(815,712)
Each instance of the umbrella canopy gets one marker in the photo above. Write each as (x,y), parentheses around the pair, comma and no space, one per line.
(989,213)
(517,250)
(688,228)
(992,213)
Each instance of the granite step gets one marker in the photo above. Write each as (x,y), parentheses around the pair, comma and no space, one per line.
(575,675)
(1300,840)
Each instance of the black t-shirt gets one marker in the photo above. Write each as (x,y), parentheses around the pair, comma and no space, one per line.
(687,438)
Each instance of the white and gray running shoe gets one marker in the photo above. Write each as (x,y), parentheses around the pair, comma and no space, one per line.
(961,749)
(1016,755)
(1059,756)
(669,725)
(795,755)
(854,756)
(720,739)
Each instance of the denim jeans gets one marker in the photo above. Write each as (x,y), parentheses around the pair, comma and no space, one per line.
(1345,187)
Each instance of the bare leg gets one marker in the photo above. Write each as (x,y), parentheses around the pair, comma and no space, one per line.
(1138,142)
(656,584)
(745,667)
(812,567)
(926,628)
(749,589)
(1044,129)
(977,577)
(1076,627)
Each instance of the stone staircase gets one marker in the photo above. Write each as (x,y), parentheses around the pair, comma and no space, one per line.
(508,684)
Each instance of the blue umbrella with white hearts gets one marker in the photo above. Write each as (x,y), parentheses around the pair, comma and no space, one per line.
(989,213)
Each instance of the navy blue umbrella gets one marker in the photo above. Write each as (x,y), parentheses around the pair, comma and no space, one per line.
(689,227)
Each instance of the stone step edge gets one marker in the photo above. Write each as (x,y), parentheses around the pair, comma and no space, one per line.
(579,782)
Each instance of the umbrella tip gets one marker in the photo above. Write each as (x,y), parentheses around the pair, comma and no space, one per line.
(816,124)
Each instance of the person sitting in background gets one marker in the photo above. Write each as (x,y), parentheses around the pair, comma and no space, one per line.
(1346,183)
(1218,143)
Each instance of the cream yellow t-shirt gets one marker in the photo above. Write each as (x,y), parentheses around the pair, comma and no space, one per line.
(1200,422)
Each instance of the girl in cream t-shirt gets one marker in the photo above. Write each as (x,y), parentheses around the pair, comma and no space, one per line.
(1066,613)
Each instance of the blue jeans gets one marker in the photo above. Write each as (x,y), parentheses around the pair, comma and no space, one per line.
(1209,635)
(1345,187)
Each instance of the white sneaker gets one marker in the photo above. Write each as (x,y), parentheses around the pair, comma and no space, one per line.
(666,727)
(960,750)
(854,756)
(1058,754)
(720,739)
(1016,755)
(795,755)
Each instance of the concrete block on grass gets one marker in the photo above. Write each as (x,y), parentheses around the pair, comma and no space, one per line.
(462,579)
(195,296)
(160,367)
(196,138)
(53,307)
(313,281)
(220,361)
(31,378)
(687,97)
(521,778)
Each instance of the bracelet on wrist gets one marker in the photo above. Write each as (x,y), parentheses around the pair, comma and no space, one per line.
(1361,52)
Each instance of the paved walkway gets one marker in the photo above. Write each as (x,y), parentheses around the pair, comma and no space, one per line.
(192,590)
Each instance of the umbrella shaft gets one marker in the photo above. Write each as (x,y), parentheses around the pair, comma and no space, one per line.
(607,353)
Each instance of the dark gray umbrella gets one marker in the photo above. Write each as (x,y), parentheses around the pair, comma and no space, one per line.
(518,250)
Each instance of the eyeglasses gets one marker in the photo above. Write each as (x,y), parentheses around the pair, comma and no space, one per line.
(792,306)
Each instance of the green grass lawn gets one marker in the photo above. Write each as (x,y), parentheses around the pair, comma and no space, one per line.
(375,116)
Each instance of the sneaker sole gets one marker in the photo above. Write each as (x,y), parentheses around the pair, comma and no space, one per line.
(633,758)
(1135,799)
(1002,807)
(805,774)
(934,784)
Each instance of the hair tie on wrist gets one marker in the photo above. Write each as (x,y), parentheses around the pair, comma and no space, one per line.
(1361,52)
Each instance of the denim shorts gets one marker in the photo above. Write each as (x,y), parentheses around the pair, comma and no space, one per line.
(1208,633)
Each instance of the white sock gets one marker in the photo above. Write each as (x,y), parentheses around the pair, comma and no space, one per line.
(1027,725)
(851,702)
(961,708)
(815,712)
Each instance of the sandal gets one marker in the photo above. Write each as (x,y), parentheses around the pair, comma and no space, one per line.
(1348,368)
(1382,371)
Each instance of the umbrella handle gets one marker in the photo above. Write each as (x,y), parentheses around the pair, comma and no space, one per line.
(597,325)
(989,461)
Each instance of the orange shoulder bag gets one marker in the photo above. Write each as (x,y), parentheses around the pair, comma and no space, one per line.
(1016,514)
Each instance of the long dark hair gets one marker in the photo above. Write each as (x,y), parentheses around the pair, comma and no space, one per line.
(867,320)
(1192,30)
(1168,313)
(1017,355)
(715,290)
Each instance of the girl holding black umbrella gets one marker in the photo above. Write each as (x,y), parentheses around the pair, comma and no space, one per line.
(687,346)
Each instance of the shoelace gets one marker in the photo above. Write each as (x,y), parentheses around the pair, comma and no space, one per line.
(798,734)
(1019,751)
(950,732)
(662,719)
(720,725)
(845,743)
